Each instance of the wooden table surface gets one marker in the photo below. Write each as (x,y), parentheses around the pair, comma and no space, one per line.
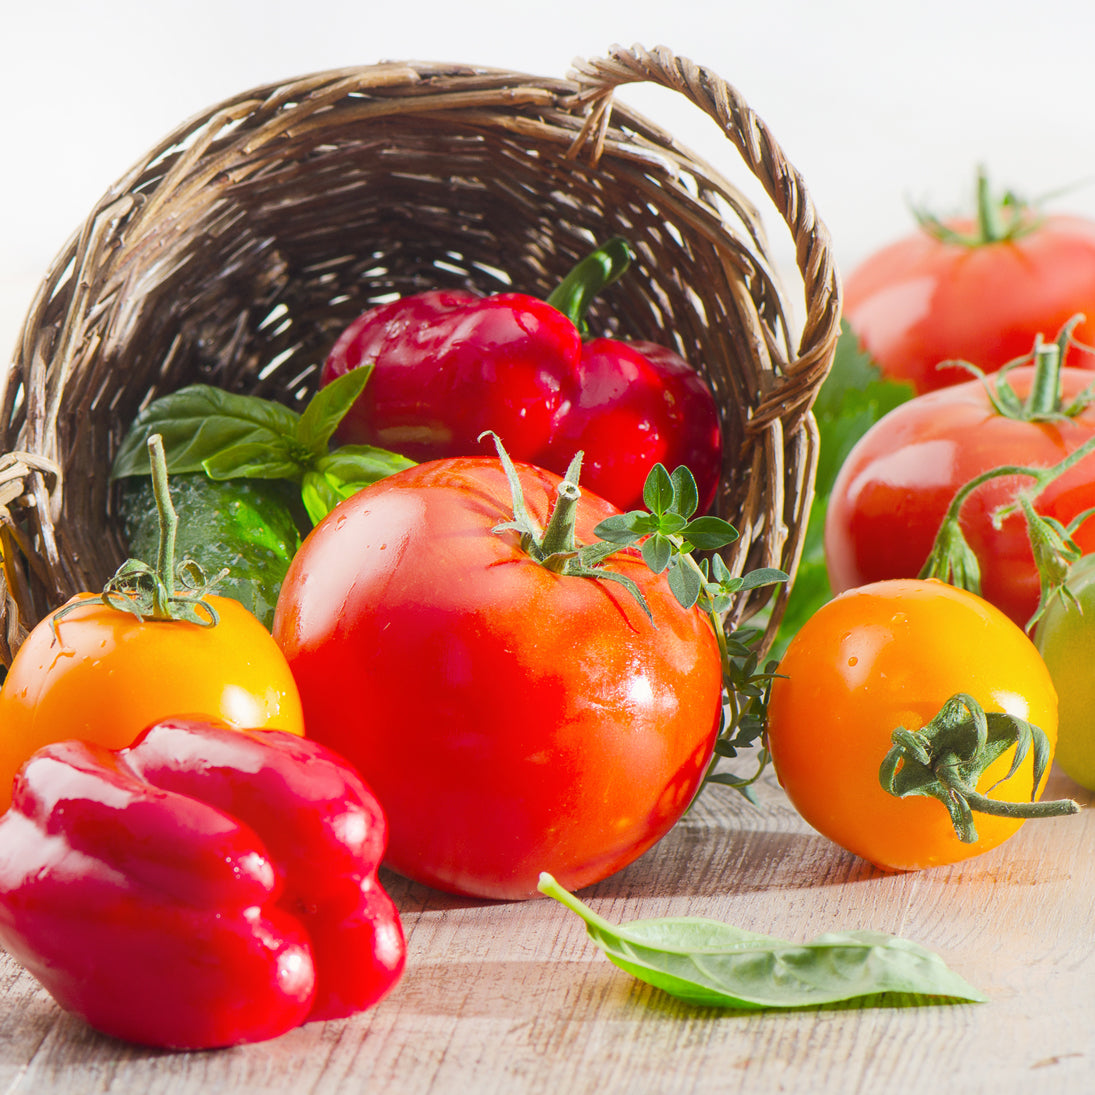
(513,997)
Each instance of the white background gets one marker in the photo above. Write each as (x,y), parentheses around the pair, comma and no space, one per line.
(878,104)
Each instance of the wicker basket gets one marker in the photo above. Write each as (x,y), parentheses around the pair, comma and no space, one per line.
(235,251)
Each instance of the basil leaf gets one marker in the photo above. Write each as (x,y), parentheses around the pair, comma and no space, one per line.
(327,408)
(254,460)
(229,436)
(198,422)
(357,466)
(344,472)
(319,495)
(712,964)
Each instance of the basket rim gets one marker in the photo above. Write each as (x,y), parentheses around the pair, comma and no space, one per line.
(780,421)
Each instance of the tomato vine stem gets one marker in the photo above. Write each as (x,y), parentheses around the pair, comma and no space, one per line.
(947,758)
(951,559)
(996,220)
(164,590)
(153,592)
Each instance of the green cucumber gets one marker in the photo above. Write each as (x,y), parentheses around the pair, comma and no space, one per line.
(249,526)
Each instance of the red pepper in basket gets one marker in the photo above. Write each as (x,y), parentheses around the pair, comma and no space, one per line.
(449,365)
(206,886)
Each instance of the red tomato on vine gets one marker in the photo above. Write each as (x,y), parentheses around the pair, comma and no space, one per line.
(976,290)
(894,490)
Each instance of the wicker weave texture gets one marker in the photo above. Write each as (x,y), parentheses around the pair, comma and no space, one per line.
(235,251)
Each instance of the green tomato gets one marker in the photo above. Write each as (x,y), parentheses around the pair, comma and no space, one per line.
(1066,637)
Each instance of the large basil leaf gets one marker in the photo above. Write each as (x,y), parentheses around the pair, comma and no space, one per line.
(199,422)
(229,436)
(709,963)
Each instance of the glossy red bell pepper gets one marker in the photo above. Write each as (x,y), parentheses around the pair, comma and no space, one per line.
(449,365)
(207,886)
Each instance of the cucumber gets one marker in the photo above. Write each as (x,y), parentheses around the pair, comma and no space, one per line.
(249,526)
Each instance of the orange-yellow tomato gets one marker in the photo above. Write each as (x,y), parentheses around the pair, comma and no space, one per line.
(105,676)
(886,655)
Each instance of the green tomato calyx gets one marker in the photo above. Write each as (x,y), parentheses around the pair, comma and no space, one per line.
(998,220)
(947,758)
(1045,400)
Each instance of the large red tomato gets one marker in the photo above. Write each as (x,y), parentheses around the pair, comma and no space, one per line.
(510,719)
(894,488)
(964,290)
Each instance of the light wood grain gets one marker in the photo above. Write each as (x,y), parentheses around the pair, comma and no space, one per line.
(514,998)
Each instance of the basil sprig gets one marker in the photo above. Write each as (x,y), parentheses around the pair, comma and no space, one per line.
(228,435)
(712,964)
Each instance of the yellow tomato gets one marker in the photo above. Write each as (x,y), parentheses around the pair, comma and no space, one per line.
(103,675)
(888,655)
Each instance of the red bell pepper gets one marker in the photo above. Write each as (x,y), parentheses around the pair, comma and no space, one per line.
(206,886)
(449,365)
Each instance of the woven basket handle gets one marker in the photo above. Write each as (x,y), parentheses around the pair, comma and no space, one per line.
(781,182)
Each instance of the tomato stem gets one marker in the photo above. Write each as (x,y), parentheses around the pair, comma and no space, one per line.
(988,211)
(152,592)
(982,804)
(996,221)
(1044,397)
(164,590)
(558,543)
(952,560)
(946,759)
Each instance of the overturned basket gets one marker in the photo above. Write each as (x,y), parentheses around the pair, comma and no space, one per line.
(236,250)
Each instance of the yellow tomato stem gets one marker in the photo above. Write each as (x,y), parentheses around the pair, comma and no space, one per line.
(947,758)
(982,804)
(151,593)
(169,524)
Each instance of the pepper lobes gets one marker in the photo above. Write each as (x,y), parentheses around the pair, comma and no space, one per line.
(206,886)
(449,365)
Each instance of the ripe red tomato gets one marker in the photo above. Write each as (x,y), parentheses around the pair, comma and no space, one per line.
(894,488)
(888,655)
(106,675)
(925,299)
(510,720)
